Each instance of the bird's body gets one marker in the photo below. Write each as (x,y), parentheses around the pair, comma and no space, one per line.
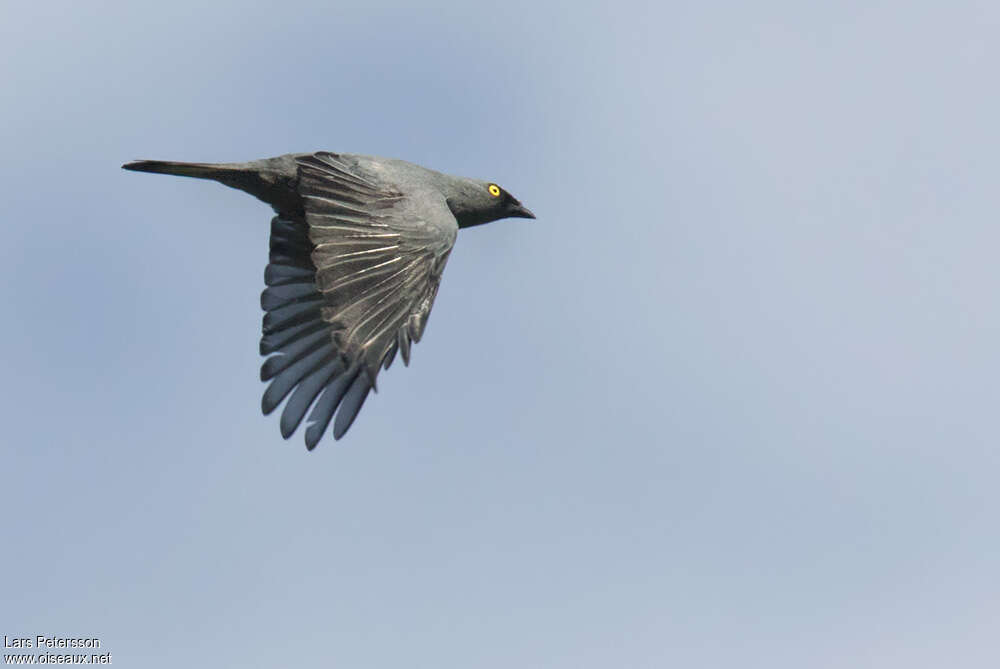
(358,248)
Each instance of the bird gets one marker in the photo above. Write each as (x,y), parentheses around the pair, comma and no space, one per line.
(358,245)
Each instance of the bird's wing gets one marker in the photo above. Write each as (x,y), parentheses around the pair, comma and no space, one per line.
(349,284)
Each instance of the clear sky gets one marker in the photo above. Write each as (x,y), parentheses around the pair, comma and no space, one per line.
(731,401)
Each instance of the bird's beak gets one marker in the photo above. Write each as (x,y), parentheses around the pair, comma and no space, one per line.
(519,211)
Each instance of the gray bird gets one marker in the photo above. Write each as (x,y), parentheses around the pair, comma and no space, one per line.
(358,247)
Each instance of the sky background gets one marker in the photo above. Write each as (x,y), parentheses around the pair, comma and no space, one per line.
(730,401)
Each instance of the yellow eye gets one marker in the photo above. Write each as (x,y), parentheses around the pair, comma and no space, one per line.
(494,190)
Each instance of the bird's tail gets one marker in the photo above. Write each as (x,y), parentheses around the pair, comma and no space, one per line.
(217,172)
(271,180)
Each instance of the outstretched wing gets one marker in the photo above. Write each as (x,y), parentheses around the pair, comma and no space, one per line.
(349,284)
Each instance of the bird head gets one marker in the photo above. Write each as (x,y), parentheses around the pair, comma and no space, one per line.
(475,202)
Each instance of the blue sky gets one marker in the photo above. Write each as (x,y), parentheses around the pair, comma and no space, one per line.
(730,400)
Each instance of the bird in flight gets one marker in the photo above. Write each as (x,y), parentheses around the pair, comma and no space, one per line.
(357,250)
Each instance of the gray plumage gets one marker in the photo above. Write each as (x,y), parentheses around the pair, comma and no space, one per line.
(357,251)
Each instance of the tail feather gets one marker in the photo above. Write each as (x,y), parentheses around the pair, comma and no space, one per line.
(272,180)
(218,172)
